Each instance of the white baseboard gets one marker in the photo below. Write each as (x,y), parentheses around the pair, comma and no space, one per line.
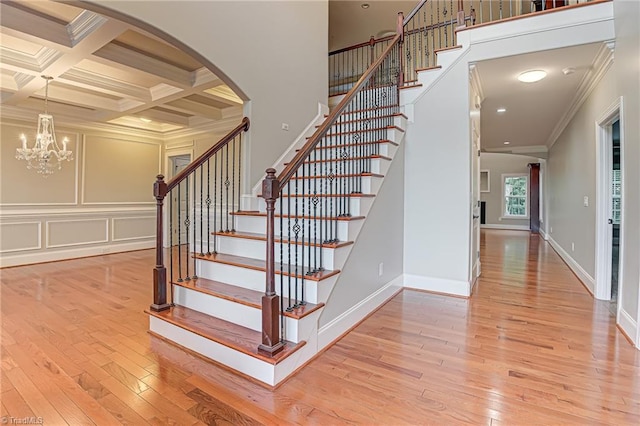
(437,285)
(544,235)
(508,227)
(628,325)
(340,325)
(588,281)
(56,255)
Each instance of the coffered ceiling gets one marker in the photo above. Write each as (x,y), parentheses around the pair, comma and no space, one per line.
(104,71)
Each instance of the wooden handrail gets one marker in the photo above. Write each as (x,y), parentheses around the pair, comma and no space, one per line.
(364,44)
(413,12)
(286,174)
(243,126)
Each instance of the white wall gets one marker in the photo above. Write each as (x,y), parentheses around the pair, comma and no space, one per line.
(437,210)
(498,164)
(571,177)
(627,57)
(274,52)
(379,241)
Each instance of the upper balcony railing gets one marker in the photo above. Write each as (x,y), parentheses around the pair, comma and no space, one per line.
(431,26)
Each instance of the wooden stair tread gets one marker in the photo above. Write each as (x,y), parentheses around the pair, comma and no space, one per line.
(411,86)
(242,295)
(257,213)
(260,265)
(351,195)
(373,129)
(437,67)
(359,120)
(263,237)
(329,160)
(234,336)
(378,142)
(445,49)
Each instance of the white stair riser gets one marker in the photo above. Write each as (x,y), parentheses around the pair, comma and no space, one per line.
(447,57)
(237,313)
(256,249)
(257,224)
(305,206)
(362,136)
(255,280)
(246,364)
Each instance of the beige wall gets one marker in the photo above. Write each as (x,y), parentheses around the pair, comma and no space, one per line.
(100,202)
(497,165)
(275,52)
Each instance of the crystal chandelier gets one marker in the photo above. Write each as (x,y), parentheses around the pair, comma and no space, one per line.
(45,156)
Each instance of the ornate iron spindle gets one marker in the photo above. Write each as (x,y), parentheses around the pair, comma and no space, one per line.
(289,229)
(179,234)
(233,182)
(208,201)
(195,175)
(215,204)
(171,219)
(226,187)
(187,224)
(201,211)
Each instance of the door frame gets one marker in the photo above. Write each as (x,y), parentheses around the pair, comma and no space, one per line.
(604,231)
(168,167)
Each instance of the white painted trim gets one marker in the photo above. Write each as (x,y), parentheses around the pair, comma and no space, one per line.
(582,275)
(438,285)
(113,228)
(56,255)
(49,222)
(598,69)
(331,331)
(603,197)
(298,142)
(443,71)
(488,172)
(544,235)
(628,324)
(506,227)
(39,213)
(38,247)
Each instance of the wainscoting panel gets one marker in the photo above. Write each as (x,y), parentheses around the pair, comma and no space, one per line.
(20,236)
(75,232)
(132,228)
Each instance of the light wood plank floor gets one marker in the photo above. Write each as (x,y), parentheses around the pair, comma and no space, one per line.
(530,347)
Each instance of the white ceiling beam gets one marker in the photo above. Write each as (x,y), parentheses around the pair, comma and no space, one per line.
(165,117)
(18,18)
(105,84)
(195,108)
(121,54)
(223,94)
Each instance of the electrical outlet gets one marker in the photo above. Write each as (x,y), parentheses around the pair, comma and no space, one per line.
(586,201)
(285,126)
(551,229)
(573,247)
(380,269)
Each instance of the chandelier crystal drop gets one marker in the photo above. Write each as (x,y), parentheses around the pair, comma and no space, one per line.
(45,156)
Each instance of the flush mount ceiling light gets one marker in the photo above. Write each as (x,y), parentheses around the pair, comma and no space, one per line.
(501,110)
(507,143)
(145,120)
(365,5)
(568,70)
(532,76)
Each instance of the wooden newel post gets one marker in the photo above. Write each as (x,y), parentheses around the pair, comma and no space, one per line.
(271,343)
(400,32)
(159,272)
(461,22)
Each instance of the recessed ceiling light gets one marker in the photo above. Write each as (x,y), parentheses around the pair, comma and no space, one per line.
(532,76)
(145,120)
(507,143)
(501,110)
(365,5)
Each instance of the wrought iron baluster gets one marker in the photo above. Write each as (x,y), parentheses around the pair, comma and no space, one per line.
(179,202)
(171,219)
(208,201)
(195,175)
(289,278)
(201,211)
(233,183)
(187,224)
(215,203)
(226,187)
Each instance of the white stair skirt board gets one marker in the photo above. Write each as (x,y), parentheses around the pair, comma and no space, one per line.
(437,285)
(629,326)
(343,323)
(582,275)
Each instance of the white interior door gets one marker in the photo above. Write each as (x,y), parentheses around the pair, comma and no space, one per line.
(475,204)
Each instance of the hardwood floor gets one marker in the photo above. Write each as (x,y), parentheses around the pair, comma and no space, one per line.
(530,347)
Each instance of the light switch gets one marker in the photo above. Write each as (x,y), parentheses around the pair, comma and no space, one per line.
(586,201)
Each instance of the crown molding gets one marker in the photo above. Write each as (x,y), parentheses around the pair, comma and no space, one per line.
(107,84)
(599,67)
(533,150)
(83,25)
(476,82)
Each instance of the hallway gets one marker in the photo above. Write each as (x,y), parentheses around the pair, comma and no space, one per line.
(531,346)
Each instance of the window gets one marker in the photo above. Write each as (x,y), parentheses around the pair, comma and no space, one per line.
(514,189)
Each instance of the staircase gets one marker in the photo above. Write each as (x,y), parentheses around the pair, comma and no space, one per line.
(246,288)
